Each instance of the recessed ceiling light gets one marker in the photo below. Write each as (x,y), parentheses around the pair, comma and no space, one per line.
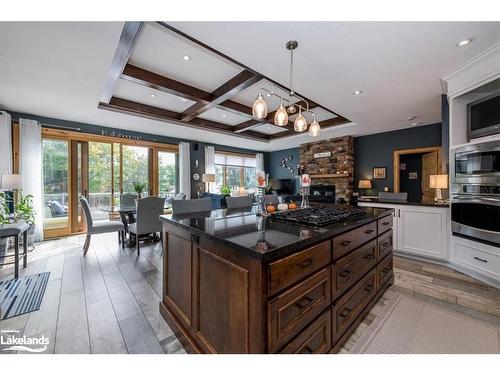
(224,115)
(357,92)
(411,118)
(268,127)
(186,57)
(152,95)
(464,42)
(415,124)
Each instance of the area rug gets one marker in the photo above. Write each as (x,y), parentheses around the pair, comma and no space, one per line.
(22,295)
(411,326)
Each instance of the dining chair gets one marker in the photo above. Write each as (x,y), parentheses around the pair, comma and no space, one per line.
(239,202)
(127,200)
(191,205)
(97,227)
(147,220)
(271,199)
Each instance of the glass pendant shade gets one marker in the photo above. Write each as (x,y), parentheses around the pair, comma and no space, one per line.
(281,117)
(259,109)
(300,123)
(314,128)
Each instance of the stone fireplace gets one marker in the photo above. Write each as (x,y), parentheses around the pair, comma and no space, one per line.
(330,162)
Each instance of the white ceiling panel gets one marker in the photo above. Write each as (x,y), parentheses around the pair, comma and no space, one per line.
(225,117)
(321,115)
(248,96)
(269,129)
(159,50)
(142,94)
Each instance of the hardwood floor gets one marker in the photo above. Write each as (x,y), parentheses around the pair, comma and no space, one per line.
(107,302)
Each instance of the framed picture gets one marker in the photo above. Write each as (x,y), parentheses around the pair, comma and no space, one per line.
(379,173)
(413,175)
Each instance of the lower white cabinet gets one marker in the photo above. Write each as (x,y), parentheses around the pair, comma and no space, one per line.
(482,259)
(419,230)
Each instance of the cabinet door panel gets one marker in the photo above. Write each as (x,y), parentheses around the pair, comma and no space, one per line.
(222,304)
(423,231)
(178,267)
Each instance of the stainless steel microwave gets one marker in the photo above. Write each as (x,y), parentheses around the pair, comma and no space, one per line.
(477,164)
(483,116)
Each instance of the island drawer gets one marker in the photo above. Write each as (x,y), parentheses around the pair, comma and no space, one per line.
(349,269)
(384,270)
(349,241)
(384,244)
(349,306)
(289,270)
(384,224)
(315,339)
(294,309)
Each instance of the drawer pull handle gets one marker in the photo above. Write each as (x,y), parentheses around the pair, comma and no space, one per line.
(385,223)
(384,244)
(369,256)
(344,273)
(481,259)
(369,231)
(304,302)
(345,312)
(369,288)
(305,263)
(385,270)
(345,242)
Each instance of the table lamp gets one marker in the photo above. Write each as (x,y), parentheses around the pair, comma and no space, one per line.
(207,178)
(438,182)
(365,184)
(10,182)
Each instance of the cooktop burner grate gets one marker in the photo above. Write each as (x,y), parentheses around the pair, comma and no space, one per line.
(319,216)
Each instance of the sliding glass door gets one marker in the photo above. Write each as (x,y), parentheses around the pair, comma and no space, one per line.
(101,170)
(55,185)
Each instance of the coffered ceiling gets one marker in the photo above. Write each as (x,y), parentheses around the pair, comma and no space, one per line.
(61,70)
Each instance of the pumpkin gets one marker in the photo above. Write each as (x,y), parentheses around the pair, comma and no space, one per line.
(270,208)
(292,206)
(282,207)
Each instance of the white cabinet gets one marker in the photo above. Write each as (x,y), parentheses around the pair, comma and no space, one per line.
(419,230)
(482,259)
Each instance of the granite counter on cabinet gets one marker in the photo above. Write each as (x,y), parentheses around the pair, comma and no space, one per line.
(389,202)
(235,282)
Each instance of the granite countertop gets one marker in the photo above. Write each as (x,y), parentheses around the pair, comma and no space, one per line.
(376,200)
(264,237)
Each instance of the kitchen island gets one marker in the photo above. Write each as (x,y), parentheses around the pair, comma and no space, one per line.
(235,282)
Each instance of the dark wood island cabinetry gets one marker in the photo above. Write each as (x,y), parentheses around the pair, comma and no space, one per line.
(240,283)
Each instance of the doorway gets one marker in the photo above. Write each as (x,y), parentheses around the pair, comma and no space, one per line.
(412,171)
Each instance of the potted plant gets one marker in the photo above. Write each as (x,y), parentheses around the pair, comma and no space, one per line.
(225,190)
(139,188)
(25,212)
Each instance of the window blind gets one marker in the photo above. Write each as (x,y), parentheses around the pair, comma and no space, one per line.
(235,160)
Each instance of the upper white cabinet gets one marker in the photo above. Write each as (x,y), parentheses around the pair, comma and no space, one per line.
(419,230)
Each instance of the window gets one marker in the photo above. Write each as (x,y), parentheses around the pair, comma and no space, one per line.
(234,170)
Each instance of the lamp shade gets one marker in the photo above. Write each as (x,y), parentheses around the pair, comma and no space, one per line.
(208,177)
(10,181)
(438,181)
(365,184)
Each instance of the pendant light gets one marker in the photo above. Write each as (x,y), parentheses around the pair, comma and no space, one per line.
(281,117)
(300,123)
(314,128)
(259,109)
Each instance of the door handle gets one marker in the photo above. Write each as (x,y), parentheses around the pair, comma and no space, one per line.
(399,212)
(481,259)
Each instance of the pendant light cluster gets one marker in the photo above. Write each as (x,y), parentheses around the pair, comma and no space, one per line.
(259,109)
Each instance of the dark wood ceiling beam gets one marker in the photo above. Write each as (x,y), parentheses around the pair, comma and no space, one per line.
(155,81)
(128,37)
(146,111)
(238,83)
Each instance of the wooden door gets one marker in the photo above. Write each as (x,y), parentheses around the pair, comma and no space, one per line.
(429,167)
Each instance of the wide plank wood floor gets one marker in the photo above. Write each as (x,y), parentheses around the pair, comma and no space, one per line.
(107,302)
